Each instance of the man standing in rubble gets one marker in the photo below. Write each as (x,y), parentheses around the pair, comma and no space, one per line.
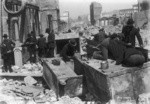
(51,44)
(41,45)
(7,53)
(130,32)
(31,46)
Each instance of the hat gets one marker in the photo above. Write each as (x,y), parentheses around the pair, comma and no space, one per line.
(102,29)
(5,36)
(130,21)
(120,35)
(114,35)
(72,42)
(47,30)
(29,34)
(41,35)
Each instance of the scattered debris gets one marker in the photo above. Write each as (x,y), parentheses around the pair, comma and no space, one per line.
(28,68)
(29,80)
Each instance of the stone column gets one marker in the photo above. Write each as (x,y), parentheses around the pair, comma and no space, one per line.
(18,48)
(1,28)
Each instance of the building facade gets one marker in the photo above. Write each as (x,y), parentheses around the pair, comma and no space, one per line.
(95,13)
(49,14)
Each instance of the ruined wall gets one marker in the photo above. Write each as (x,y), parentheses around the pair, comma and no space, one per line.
(95,12)
(3,21)
(48,7)
(51,5)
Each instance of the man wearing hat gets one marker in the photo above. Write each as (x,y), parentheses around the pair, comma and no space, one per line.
(130,32)
(51,44)
(7,53)
(102,35)
(113,47)
(41,45)
(68,50)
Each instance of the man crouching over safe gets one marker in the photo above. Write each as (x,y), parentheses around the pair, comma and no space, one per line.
(113,47)
(68,50)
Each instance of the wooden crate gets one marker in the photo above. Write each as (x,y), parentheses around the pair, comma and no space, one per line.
(62,79)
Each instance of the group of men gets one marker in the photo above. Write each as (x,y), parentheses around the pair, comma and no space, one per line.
(45,45)
(121,47)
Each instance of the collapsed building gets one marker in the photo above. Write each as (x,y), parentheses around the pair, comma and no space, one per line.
(115,84)
(46,16)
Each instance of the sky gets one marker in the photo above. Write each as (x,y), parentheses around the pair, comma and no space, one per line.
(81,7)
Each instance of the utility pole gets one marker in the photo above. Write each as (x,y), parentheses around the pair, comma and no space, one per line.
(68,16)
(1,23)
(1,27)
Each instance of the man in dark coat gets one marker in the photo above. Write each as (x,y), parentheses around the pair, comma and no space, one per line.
(41,45)
(102,35)
(7,53)
(31,46)
(51,44)
(68,50)
(130,32)
(123,53)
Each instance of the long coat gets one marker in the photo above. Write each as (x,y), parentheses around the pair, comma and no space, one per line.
(130,33)
(7,46)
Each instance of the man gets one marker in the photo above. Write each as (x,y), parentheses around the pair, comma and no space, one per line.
(68,50)
(130,32)
(114,48)
(91,44)
(7,53)
(133,58)
(47,32)
(31,46)
(102,35)
(111,46)
(51,44)
(41,45)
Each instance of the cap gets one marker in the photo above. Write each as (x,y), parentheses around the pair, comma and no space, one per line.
(72,42)
(5,36)
(41,35)
(102,29)
(130,21)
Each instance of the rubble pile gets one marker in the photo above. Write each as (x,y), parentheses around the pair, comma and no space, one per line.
(146,38)
(17,92)
(28,68)
(68,100)
(113,29)
(31,92)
